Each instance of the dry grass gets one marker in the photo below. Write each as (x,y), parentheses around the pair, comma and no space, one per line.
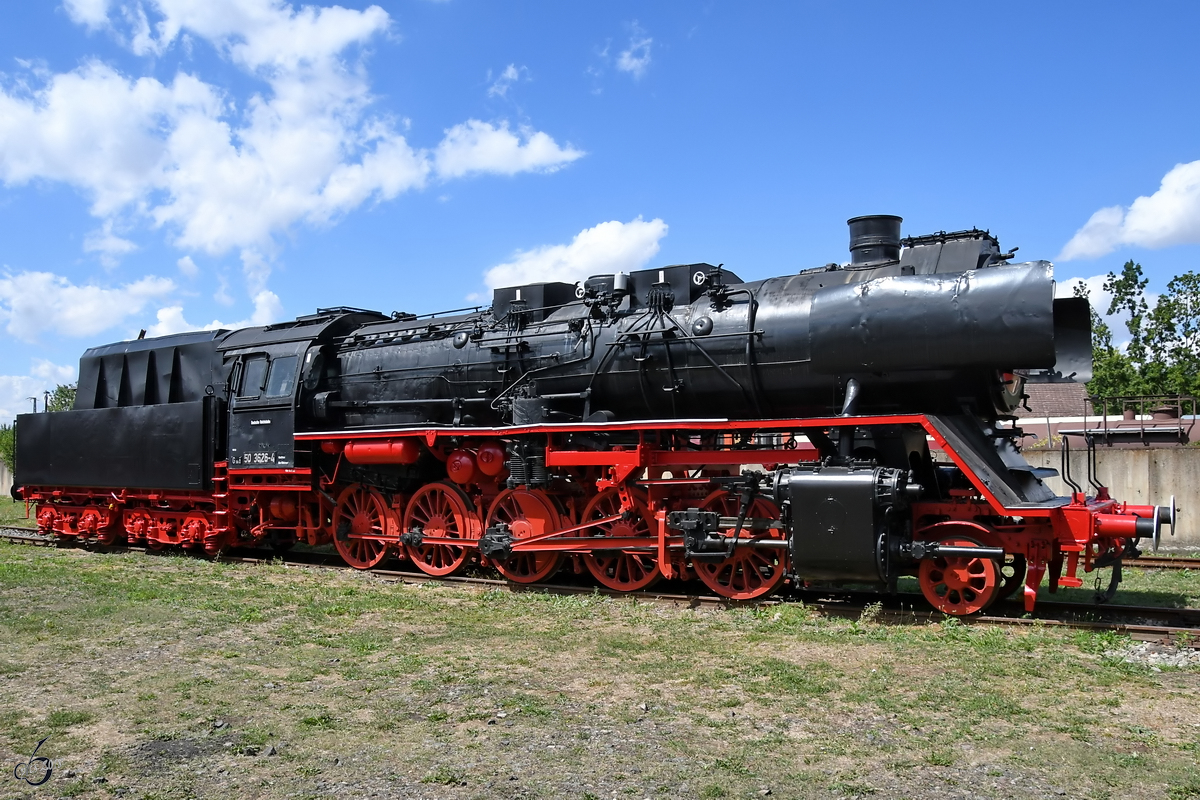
(172,677)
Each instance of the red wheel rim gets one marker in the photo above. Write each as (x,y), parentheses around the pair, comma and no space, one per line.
(438,510)
(360,512)
(624,571)
(527,513)
(749,572)
(960,585)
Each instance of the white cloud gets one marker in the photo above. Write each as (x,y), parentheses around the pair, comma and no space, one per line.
(606,248)
(33,303)
(222,295)
(98,131)
(220,175)
(49,371)
(256,269)
(1095,290)
(267,309)
(476,146)
(500,86)
(1168,217)
(92,13)
(636,58)
(15,390)
(1100,300)
(110,246)
(170,320)
(188,267)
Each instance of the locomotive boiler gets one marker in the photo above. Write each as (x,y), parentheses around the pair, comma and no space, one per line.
(847,423)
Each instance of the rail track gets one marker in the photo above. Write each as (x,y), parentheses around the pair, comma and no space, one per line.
(1167,562)
(1179,626)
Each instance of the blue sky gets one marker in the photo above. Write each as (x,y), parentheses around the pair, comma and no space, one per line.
(172,164)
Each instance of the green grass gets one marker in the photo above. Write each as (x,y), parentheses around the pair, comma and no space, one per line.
(12,514)
(150,671)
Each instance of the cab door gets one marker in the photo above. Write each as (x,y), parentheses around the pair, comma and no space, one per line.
(262,410)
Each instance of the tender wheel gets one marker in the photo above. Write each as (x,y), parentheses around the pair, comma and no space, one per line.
(621,570)
(360,512)
(527,513)
(749,572)
(442,511)
(960,585)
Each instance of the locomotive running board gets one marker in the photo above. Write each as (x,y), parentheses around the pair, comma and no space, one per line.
(960,437)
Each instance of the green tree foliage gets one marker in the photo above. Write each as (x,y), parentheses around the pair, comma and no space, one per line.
(62,398)
(1163,354)
(1112,370)
(8,444)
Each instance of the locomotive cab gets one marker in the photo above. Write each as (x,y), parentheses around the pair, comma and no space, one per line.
(273,370)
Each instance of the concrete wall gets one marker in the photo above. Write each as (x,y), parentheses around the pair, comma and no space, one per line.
(1146,476)
(6,479)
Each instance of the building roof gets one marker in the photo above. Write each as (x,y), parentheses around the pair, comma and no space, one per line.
(1055,400)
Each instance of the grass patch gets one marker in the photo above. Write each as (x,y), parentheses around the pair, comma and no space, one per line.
(65,719)
(178,677)
(12,514)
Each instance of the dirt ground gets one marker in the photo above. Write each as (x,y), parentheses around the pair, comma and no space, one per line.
(171,677)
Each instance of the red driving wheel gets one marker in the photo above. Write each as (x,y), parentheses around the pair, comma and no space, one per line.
(360,513)
(622,570)
(527,513)
(751,571)
(960,585)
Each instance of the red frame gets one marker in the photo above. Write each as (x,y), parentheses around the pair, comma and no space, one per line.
(297,504)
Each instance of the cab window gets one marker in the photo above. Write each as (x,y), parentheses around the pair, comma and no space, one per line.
(283,377)
(254,375)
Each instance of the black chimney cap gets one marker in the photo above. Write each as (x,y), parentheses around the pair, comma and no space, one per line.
(874,239)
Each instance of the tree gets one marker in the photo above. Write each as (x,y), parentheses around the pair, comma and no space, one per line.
(8,445)
(62,398)
(1163,354)
(1112,371)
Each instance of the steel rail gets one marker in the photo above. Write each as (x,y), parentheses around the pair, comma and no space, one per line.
(1163,562)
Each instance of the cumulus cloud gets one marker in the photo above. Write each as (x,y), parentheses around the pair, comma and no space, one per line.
(49,371)
(34,303)
(92,13)
(267,309)
(188,267)
(218,175)
(1168,217)
(15,394)
(15,390)
(476,146)
(1100,300)
(606,248)
(500,86)
(636,58)
(110,246)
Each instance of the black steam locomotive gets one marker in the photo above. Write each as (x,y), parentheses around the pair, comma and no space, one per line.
(610,425)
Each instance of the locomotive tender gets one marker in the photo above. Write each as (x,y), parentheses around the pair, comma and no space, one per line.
(607,426)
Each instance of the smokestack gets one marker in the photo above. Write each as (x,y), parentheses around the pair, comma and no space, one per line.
(874,239)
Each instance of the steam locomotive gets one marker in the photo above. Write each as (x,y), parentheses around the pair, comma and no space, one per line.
(847,423)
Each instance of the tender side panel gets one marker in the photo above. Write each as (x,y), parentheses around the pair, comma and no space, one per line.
(167,446)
